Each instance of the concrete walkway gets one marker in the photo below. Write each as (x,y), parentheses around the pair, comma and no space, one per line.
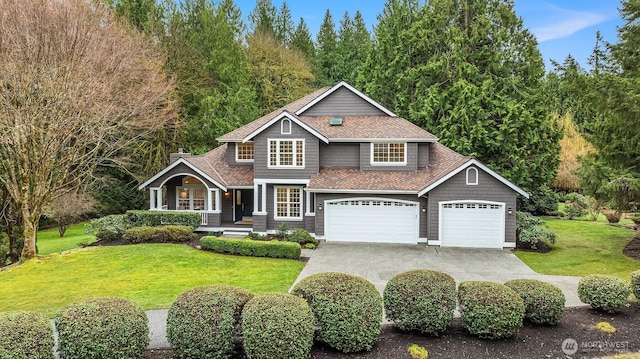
(380,262)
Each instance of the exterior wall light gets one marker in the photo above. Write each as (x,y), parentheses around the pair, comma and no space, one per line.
(510,211)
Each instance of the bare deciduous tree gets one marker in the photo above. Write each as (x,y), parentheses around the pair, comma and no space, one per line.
(69,209)
(76,87)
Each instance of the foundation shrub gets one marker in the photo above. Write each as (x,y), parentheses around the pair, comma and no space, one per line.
(25,335)
(543,302)
(604,292)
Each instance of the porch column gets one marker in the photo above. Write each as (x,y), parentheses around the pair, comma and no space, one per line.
(256,190)
(218,193)
(210,200)
(264,198)
(159,198)
(152,198)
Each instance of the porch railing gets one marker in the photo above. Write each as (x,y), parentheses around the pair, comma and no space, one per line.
(203,217)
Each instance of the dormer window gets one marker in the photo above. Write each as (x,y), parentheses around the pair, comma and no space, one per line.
(244,152)
(472,176)
(388,154)
(285,126)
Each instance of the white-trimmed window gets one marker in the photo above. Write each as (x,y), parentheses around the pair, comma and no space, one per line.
(244,152)
(191,198)
(388,154)
(286,153)
(288,203)
(472,176)
(285,126)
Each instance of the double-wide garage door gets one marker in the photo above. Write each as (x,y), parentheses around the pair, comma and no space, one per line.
(472,224)
(371,220)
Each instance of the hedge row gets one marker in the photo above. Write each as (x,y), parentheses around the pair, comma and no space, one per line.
(164,234)
(247,247)
(163,218)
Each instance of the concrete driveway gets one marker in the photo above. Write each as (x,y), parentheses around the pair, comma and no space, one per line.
(380,262)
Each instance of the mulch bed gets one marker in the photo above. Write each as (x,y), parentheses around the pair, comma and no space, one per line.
(632,250)
(578,324)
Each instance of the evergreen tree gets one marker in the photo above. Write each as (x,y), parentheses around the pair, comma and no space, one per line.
(354,46)
(284,25)
(327,52)
(468,72)
(393,55)
(301,40)
(212,71)
(263,18)
(614,90)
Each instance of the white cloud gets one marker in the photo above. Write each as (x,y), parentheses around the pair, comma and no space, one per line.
(560,23)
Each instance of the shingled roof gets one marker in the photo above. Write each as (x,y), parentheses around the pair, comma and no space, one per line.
(242,132)
(442,161)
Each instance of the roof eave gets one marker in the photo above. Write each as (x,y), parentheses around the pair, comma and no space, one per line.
(473,161)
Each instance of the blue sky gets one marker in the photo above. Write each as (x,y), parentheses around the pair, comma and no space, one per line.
(561,26)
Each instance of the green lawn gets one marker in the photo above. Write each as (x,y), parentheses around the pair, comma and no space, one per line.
(152,275)
(49,240)
(601,217)
(584,248)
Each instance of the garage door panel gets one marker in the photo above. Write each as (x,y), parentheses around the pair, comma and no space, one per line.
(472,224)
(366,220)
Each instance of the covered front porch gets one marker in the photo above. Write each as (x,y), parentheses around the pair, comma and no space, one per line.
(219,209)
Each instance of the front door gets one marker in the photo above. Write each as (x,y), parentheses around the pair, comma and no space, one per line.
(243,203)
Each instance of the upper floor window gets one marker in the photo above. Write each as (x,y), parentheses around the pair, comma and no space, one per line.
(286,153)
(244,152)
(388,154)
(285,126)
(472,176)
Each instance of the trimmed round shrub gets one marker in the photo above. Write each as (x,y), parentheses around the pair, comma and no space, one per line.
(635,284)
(543,302)
(25,335)
(102,328)
(347,310)
(203,321)
(490,310)
(604,292)
(421,300)
(277,326)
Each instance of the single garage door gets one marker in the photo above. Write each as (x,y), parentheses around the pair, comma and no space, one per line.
(472,224)
(371,220)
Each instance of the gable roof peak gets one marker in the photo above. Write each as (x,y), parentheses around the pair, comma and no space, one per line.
(343,84)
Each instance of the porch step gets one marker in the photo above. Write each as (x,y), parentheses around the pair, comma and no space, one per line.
(235,233)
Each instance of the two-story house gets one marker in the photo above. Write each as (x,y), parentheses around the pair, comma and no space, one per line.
(345,168)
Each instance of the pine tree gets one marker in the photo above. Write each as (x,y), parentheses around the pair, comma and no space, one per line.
(263,18)
(468,72)
(284,25)
(327,52)
(301,40)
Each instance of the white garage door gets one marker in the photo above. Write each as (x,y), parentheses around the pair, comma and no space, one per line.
(472,224)
(371,220)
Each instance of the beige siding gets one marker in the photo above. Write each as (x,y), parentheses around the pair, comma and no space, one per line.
(343,102)
(488,189)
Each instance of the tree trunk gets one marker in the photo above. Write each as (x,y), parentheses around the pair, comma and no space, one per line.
(30,221)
